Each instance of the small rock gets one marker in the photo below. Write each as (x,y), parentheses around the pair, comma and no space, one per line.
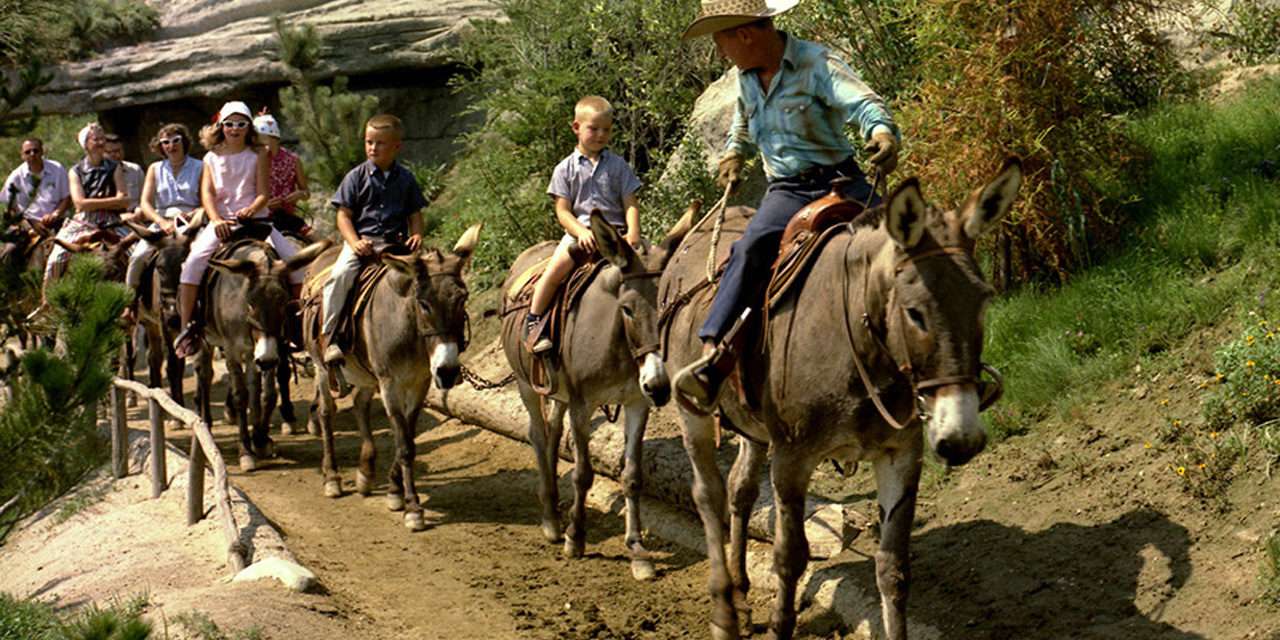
(293,575)
(1141,392)
(1248,535)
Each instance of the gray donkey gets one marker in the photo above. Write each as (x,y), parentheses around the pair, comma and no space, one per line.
(609,354)
(416,314)
(882,341)
(244,316)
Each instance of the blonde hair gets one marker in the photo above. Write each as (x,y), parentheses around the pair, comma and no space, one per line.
(592,105)
(386,122)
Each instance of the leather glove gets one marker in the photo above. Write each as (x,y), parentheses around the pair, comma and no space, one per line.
(883,152)
(730,171)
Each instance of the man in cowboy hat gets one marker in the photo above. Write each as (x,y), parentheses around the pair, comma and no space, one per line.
(795,99)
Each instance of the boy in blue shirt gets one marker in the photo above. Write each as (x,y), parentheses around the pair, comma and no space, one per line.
(590,178)
(379,200)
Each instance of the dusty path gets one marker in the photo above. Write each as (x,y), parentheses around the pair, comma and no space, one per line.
(484,570)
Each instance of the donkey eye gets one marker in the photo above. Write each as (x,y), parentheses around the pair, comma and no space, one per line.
(917,319)
(628,313)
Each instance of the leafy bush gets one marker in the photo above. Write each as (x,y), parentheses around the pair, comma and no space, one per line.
(1038,78)
(875,36)
(99,24)
(1270,575)
(1248,372)
(35,620)
(329,120)
(1250,32)
(526,73)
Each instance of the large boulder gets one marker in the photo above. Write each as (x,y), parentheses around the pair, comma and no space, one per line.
(217,48)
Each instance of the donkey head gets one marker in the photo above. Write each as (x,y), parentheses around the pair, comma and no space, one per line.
(936,304)
(635,283)
(436,286)
(170,253)
(267,297)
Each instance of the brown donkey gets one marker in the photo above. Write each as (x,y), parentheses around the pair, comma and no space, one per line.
(609,355)
(416,314)
(882,341)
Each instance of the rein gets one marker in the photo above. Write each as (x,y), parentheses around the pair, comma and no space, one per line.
(919,409)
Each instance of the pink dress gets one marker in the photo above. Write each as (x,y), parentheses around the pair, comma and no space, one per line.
(235,180)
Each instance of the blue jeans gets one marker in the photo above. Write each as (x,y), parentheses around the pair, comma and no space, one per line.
(751,257)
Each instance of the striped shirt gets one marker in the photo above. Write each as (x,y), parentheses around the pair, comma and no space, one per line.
(799,122)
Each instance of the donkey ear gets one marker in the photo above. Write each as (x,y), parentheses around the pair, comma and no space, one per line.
(239,266)
(678,231)
(906,212)
(403,264)
(466,244)
(198,220)
(993,201)
(610,243)
(307,254)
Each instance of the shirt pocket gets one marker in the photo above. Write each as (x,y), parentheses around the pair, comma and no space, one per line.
(796,114)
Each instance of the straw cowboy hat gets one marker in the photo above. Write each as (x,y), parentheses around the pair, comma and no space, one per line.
(718,15)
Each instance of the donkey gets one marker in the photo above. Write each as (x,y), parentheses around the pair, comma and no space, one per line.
(898,295)
(158,304)
(609,355)
(416,313)
(244,316)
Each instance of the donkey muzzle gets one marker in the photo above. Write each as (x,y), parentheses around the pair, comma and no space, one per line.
(446,369)
(954,431)
(654,383)
(266,353)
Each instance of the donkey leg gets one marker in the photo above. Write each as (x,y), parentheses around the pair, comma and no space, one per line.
(709,496)
(237,396)
(404,422)
(744,489)
(288,418)
(262,442)
(204,387)
(368,451)
(313,415)
(790,472)
(322,411)
(175,367)
(540,436)
(632,484)
(575,541)
(897,480)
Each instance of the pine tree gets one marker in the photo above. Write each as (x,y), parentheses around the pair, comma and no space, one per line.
(48,426)
(327,119)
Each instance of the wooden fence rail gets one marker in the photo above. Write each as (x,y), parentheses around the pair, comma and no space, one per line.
(203,447)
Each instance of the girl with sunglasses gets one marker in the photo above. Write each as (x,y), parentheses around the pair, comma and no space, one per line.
(170,192)
(234,187)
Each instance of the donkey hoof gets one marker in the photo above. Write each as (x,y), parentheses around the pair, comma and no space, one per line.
(551,531)
(573,549)
(288,428)
(364,486)
(414,521)
(332,489)
(268,450)
(395,502)
(642,570)
(720,633)
(313,426)
(248,463)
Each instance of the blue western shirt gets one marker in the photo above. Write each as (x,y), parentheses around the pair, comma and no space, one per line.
(799,122)
(380,202)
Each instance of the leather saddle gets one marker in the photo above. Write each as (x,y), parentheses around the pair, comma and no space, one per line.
(371,273)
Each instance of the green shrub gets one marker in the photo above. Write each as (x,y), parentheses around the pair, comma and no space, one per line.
(526,72)
(1248,375)
(99,24)
(877,37)
(1250,32)
(36,620)
(1270,574)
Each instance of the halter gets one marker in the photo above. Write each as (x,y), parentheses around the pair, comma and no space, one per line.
(639,351)
(919,408)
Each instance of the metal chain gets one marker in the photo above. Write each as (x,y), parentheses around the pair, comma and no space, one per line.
(480,384)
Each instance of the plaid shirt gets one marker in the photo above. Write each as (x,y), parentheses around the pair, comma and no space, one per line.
(799,122)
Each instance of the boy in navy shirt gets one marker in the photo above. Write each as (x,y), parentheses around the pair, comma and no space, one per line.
(377,200)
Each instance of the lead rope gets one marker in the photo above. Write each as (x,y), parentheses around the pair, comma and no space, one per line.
(718,211)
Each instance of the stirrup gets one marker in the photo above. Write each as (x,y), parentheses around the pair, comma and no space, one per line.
(697,386)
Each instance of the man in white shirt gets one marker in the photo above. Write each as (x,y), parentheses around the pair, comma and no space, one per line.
(38,189)
(133,172)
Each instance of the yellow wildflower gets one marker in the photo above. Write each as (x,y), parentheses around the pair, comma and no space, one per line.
(1164,402)
(1249,363)
(1177,423)
(1213,435)
(1201,466)
(1146,445)
(1182,471)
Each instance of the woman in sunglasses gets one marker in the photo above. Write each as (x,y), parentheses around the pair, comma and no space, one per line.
(170,192)
(234,187)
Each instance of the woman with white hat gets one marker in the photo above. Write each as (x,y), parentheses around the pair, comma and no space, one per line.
(233,188)
(288,181)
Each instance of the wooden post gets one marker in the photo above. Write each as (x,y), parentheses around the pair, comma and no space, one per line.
(119,434)
(195,482)
(159,474)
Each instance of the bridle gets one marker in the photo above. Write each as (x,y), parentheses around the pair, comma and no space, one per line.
(640,350)
(430,330)
(990,392)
